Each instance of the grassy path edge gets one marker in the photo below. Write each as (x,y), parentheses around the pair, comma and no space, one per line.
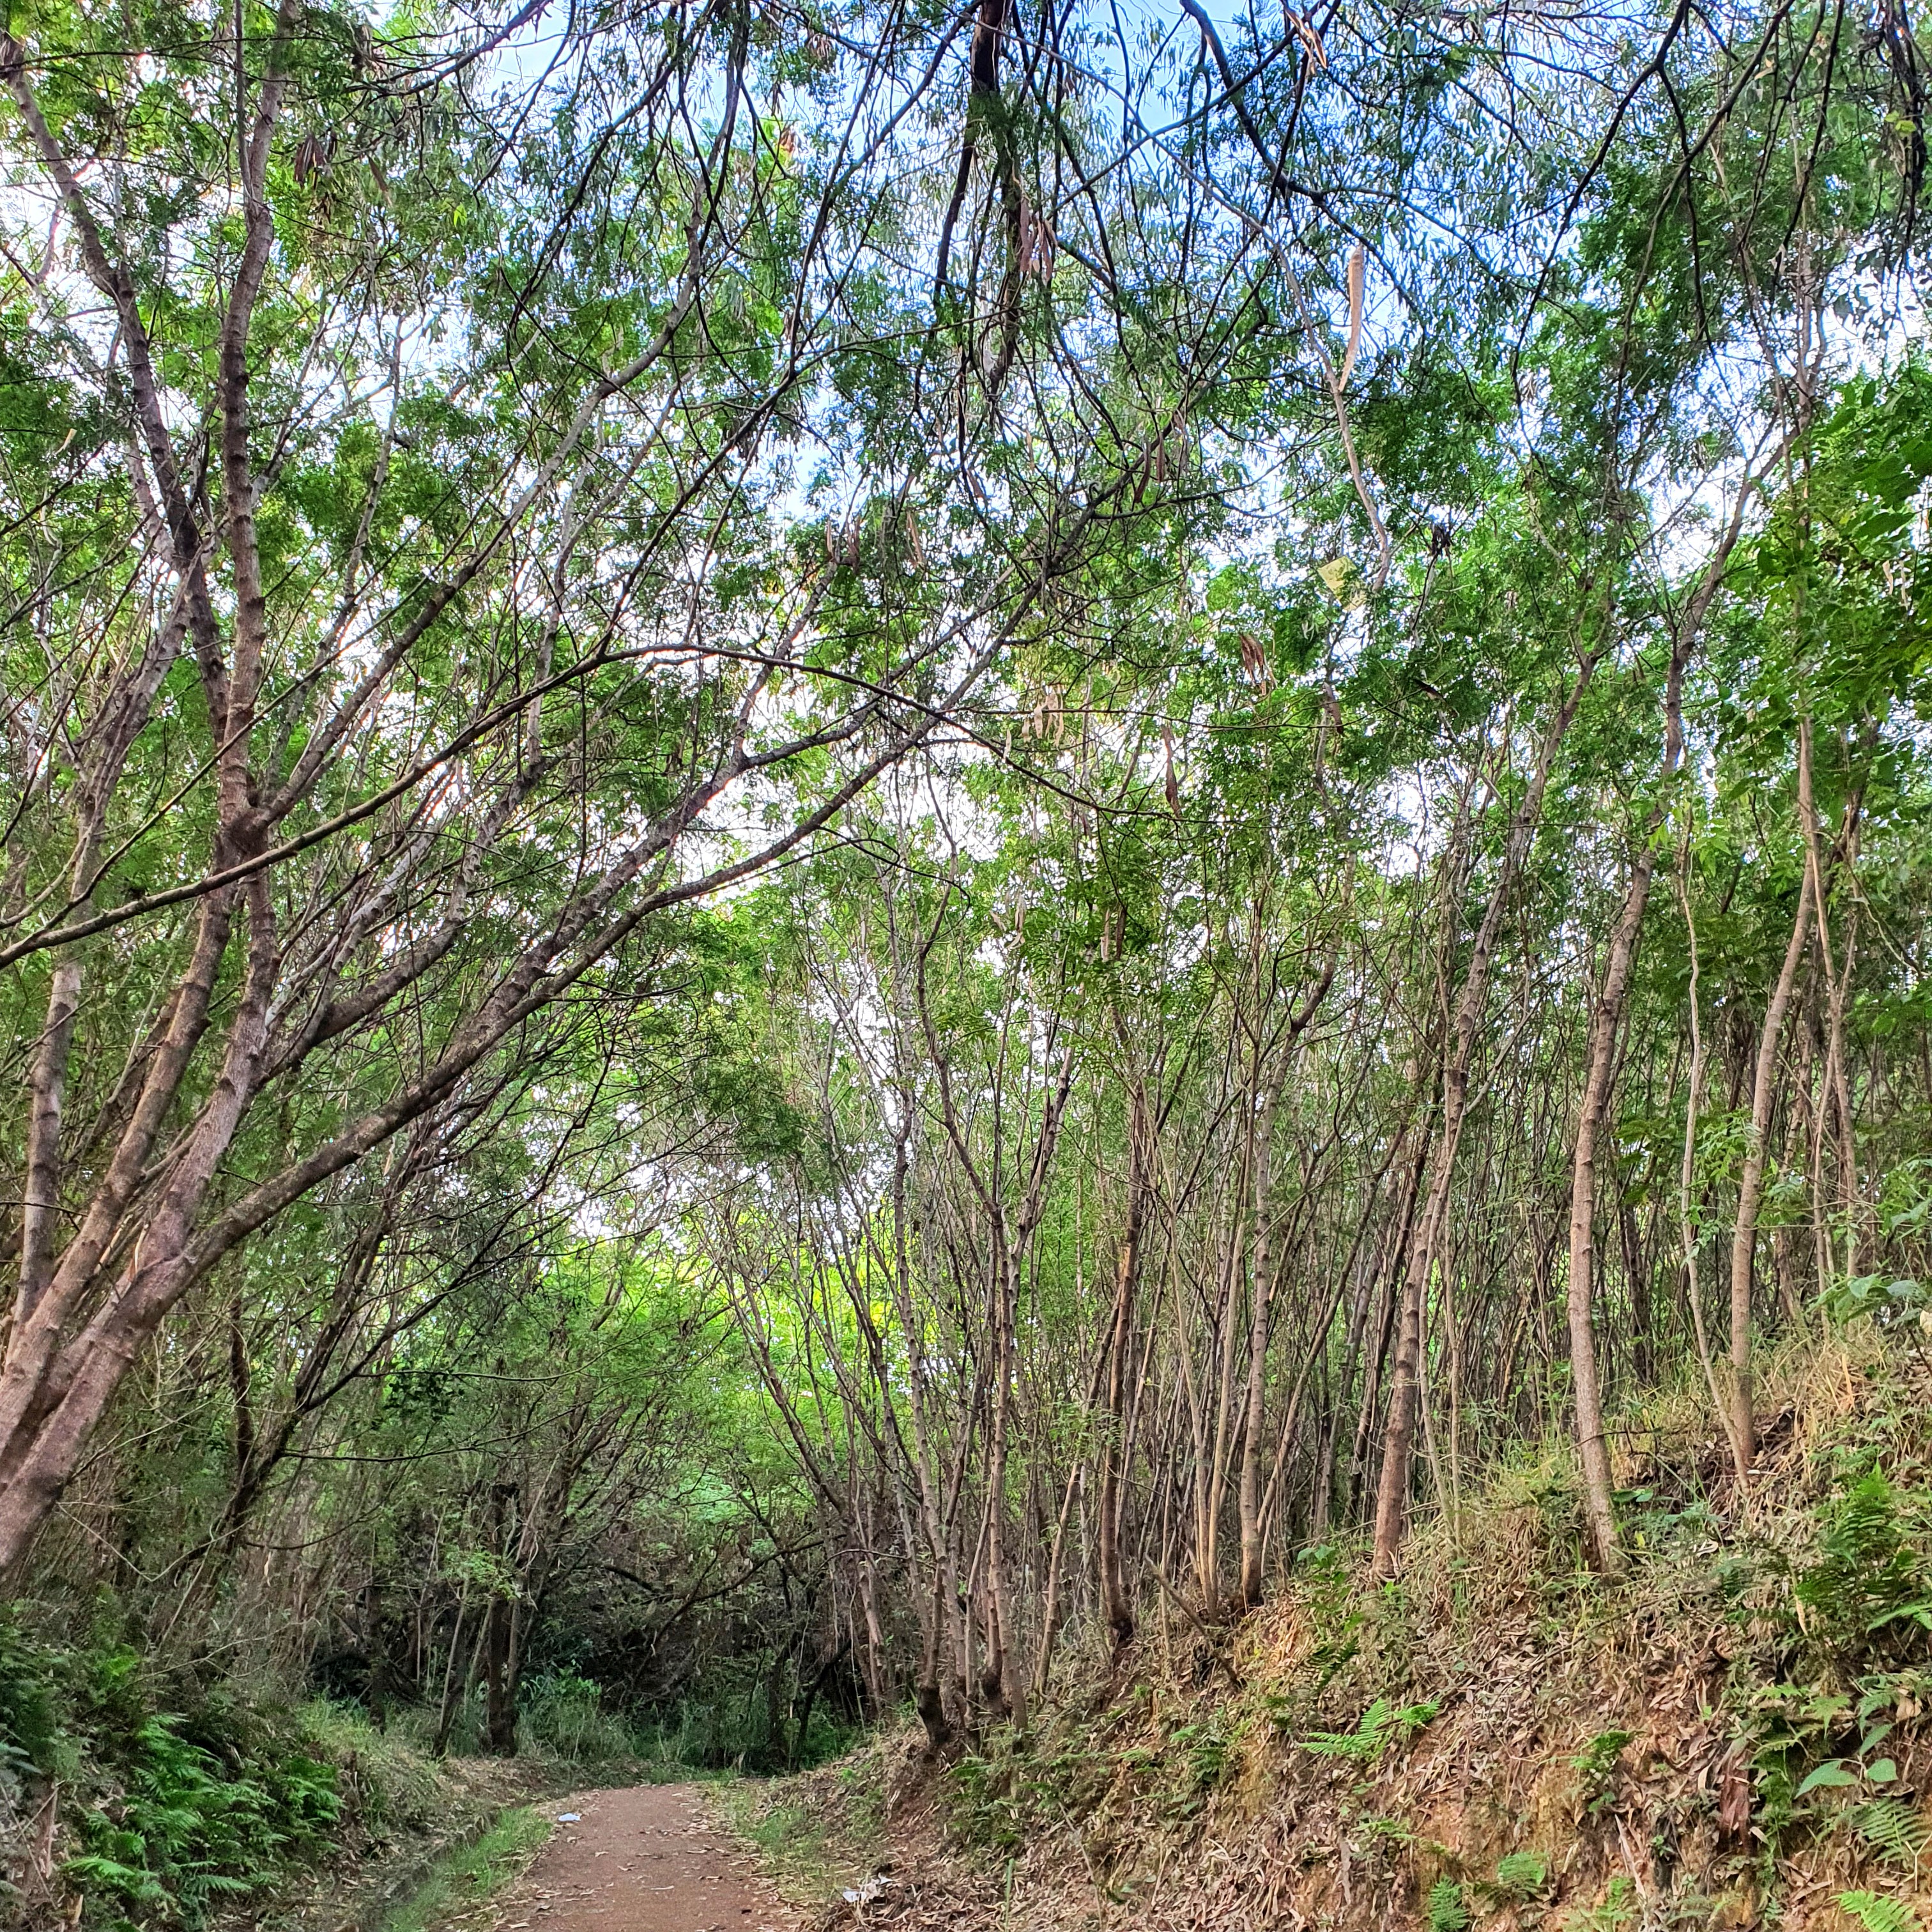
(459,1876)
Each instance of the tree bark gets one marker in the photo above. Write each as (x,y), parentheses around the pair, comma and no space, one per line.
(1116,1597)
(1750,1188)
(1260,1293)
(1405,1391)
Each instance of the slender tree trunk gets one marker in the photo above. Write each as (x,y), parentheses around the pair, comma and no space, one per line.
(1605,1024)
(452,1679)
(1261,1293)
(1399,1438)
(1750,1187)
(1006,1686)
(1599,1514)
(1116,1597)
(499,1712)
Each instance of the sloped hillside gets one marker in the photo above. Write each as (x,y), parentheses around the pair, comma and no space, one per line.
(1735,1736)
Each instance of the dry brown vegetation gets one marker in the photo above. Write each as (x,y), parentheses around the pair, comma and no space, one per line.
(1498,1739)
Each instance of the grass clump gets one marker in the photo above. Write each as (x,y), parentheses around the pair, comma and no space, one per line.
(564,1715)
(470,1877)
(792,1841)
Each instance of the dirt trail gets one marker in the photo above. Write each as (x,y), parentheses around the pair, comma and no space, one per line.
(648,1859)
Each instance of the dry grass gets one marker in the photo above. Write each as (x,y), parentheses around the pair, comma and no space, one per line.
(1573,1754)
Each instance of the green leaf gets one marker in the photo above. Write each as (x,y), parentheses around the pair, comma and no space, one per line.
(1831,1775)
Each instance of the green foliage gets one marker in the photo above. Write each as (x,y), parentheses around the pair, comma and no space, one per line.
(1618,1908)
(1874,1913)
(986,1798)
(1379,1726)
(187,1831)
(1894,1826)
(1208,1749)
(463,1880)
(1595,1766)
(1867,1591)
(183,1801)
(1448,1910)
(1521,1874)
(565,1715)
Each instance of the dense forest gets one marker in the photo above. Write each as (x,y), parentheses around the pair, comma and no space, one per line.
(853,854)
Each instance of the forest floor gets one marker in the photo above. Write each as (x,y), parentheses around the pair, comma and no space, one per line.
(1738,1733)
(647,1858)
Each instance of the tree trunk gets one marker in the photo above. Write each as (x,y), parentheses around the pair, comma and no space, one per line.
(1260,1295)
(1599,1513)
(499,1708)
(1399,1438)
(1606,1022)
(1750,1187)
(1116,1597)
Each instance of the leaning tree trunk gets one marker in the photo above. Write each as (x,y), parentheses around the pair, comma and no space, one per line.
(1599,1514)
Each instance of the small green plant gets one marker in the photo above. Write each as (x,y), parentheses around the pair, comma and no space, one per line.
(1379,1727)
(1893,1827)
(1448,1909)
(1595,1766)
(1211,1753)
(1376,1831)
(1521,1874)
(985,1808)
(1867,1585)
(1874,1912)
(1617,1910)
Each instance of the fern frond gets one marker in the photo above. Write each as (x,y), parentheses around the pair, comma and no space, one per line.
(1893,1827)
(1877,1913)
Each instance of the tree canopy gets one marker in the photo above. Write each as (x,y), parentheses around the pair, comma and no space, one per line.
(841,839)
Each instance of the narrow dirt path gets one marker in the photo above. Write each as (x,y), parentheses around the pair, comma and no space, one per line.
(648,1858)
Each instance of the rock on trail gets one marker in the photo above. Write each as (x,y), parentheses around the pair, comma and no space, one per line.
(648,1859)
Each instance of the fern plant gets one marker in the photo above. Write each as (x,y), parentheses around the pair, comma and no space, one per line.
(1893,1827)
(1379,1727)
(1618,1909)
(1521,1874)
(1874,1912)
(1868,1586)
(1448,1909)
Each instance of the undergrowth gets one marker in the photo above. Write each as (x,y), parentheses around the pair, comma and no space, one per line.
(1661,1749)
(467,1878)
(150,1800)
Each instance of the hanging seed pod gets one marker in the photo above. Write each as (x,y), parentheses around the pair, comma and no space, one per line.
(1357,263)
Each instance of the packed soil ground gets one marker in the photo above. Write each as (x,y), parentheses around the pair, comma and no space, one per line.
(650,1857)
